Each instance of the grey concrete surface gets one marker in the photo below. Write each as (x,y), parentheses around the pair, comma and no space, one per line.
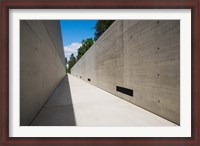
(42,65)
(78,103)
(58,111)
(140,55)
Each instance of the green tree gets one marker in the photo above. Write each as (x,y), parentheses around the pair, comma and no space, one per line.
(86,44)
(100,27)
(65,61)
(66,66)
(71,62)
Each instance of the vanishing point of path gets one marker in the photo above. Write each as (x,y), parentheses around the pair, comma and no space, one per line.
(78,103)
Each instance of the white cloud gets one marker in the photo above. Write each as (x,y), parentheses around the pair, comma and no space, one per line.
(68,50)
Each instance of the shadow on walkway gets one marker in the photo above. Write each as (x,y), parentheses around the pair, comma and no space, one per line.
(58,111)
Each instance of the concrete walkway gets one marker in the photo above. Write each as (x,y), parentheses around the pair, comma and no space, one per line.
(77,103)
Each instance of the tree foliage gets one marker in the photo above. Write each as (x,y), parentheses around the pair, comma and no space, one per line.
(71,62)
(100,27)
(86,44)
(66,66)
(65,61)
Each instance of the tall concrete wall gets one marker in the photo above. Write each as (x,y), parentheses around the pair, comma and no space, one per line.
(143,56)
(42,65)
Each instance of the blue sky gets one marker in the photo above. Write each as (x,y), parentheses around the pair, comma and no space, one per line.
(73,32)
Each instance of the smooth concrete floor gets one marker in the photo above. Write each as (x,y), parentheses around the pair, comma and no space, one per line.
(78,103)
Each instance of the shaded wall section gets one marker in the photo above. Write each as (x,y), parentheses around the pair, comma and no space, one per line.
(138,61)
(42,65)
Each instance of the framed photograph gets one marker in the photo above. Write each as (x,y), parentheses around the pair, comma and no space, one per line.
(167,75)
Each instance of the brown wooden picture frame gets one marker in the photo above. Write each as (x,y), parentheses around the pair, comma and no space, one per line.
(89,4)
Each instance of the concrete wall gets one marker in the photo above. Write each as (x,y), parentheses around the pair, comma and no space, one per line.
(140,55)
(42,65)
